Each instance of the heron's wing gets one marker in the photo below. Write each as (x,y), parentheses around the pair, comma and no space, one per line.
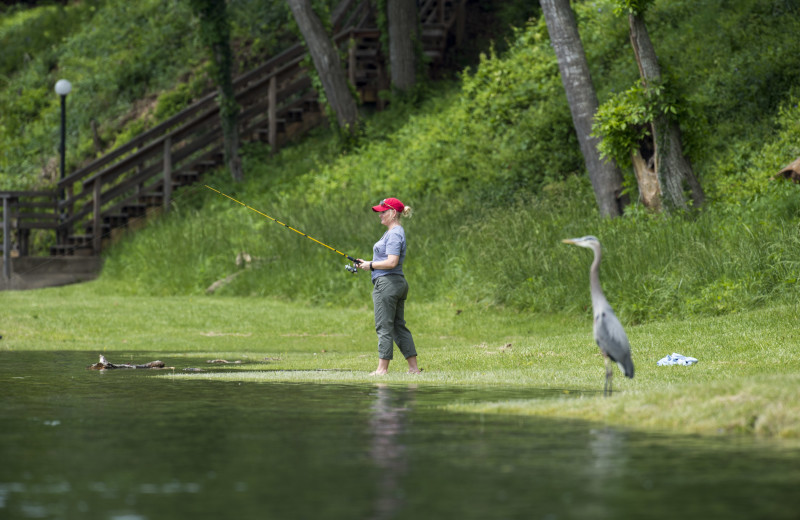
(610,336)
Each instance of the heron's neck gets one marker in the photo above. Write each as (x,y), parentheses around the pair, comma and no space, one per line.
(594,279)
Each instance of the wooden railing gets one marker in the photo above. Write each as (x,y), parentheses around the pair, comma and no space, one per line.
(277,103)
(25,211)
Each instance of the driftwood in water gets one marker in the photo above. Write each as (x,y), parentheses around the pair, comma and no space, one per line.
(104,364)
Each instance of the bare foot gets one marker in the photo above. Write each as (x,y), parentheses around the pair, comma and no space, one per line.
(379,373)
(414,370)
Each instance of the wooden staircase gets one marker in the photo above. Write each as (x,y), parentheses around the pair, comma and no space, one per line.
(119,190)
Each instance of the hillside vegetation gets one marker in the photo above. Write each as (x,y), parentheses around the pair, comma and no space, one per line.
(491,165)
(131,64)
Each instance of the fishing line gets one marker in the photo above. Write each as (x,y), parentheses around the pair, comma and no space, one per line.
(351,268)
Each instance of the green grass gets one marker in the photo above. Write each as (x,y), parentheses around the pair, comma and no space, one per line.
(762,405)
(746,380)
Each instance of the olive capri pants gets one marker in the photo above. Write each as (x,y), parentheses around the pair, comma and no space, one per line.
(389,297)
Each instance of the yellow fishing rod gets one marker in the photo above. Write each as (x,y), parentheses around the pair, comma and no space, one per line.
(352,268)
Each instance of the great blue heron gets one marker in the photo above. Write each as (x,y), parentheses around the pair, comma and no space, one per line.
(608,331)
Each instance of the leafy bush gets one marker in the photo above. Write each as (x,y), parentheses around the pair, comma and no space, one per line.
(624,120)
(27,34)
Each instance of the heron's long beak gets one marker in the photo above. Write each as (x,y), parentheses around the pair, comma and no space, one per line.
(569,241)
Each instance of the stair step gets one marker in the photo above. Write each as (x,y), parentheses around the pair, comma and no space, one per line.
(68,250)
(366,53)
(115,219)
(134,210)
(433,32)
(151,199)
(280,127)
(295,114)
(205,164)
(187,177)
(105,229)
(79,240)
(434,55)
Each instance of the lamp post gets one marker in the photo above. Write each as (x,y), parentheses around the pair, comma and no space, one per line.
(63,87)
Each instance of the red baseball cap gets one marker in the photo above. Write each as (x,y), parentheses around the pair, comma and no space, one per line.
(390,203)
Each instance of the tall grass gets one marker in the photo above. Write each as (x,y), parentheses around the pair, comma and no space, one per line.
(657,267)
(653,267)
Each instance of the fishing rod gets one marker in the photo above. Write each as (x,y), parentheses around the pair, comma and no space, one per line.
(352,268)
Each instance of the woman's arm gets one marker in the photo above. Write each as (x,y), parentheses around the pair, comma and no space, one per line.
(390,263)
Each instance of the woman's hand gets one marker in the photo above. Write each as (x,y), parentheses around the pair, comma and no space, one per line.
(362,264)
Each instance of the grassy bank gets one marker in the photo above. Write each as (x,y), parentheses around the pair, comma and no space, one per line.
(655,267)
(745,381)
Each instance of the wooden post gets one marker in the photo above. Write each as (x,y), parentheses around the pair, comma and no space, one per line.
(59,206)
(461,16)
(71,198)
(6,239)
(97,229)
(23,241)
(441,12)
(167,172)
(351,59)
(272,111)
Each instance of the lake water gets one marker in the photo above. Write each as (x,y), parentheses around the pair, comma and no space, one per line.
(136,445)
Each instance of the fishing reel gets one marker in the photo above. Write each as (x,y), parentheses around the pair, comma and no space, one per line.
(352,268)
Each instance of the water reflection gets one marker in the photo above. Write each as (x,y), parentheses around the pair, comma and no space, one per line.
(606,469)
(608,447)
(387,423)
(78,444)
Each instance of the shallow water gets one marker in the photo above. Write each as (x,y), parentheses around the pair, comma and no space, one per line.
(135,445)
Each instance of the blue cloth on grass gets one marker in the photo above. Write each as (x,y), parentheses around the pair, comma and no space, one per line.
(676,359)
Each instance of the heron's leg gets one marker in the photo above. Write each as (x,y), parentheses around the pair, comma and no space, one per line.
(609,376)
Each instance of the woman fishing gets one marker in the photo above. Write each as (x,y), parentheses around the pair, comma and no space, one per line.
(391,289)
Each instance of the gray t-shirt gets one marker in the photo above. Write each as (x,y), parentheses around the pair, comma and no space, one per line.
(393,242)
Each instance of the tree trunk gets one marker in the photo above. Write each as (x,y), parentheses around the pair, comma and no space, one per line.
(672,168)
(605,176)
(327,62)
(215,33)
(646,178)
(229,117)
(402,19)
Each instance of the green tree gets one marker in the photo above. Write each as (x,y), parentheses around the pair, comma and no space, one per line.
(215,32)
(672,168)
